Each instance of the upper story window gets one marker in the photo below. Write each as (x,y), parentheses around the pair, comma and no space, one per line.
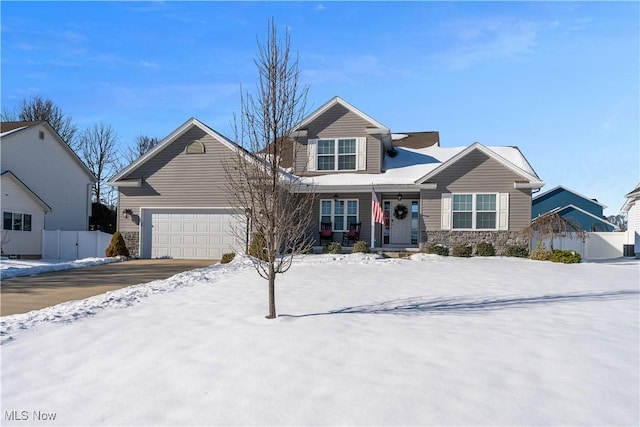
(337,154)
(16,221)
(195,147)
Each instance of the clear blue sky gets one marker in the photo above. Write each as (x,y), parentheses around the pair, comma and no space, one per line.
(559,80)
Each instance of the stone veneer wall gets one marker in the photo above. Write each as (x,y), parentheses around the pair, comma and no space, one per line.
(132,240)
(499,239)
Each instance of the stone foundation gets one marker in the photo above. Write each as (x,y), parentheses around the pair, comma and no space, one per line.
(500,240)
(132,240)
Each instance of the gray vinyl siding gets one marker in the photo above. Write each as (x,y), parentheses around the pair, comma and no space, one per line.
(477,173)
(364,216)
(175,179)
(338,122)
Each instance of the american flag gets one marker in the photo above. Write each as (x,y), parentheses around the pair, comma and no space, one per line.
(378,214)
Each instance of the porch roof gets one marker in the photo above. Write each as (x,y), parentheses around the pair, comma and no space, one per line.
(409,165)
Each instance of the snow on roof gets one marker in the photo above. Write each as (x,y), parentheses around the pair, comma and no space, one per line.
(410,165)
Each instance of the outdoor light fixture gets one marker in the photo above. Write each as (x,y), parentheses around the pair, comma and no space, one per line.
(399,196)
(127,213)
(335,196)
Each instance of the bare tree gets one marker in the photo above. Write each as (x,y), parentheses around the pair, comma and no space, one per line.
(140,147)
(280,214)
(551,225)
(36,108)
(98,150)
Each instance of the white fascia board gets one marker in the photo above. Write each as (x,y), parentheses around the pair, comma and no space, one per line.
(377,131)
(24,187)
(561,208)
(488,152)
(333,101)
(126,183)
(572,192)
(534,185)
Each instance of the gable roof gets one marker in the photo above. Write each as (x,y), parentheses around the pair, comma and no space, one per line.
(24,187)
(562,187)
(171,138)
(8,127)
(13,128)
(631,197)
(517,164)
(560,209)
(336,100)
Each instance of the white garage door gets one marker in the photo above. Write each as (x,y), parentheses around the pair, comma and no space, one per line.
(191,233)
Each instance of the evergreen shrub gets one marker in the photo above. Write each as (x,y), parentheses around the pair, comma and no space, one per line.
(361,246)
(463,251)
(332,248)
(438,249)
(485,249)
(565,257)
(540,253)
(117,247)
(257,248)
(518,251)
(227,258)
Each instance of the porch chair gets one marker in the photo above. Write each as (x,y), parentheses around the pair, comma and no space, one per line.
(351,236)
(326,232)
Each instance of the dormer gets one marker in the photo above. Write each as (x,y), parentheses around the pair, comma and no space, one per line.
(339,138)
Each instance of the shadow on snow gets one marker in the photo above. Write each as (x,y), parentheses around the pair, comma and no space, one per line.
(419,305)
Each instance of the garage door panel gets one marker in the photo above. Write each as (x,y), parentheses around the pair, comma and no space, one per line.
(184,233)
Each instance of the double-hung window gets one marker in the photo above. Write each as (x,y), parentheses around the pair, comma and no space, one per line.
(16,221)
(340,213)
(474,211)
(337,154)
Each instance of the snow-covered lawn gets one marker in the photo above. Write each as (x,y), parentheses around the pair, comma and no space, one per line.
(26,267)
(359,341)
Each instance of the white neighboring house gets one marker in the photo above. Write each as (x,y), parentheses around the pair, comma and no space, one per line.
(632,208)
(45,186)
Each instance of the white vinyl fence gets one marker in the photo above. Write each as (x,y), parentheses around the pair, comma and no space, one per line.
(599,245)
(72,245)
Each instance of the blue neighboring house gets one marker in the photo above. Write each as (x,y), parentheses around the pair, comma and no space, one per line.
(569,204)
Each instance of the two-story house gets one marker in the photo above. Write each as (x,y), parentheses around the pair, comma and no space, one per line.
(172,201)
(45,186)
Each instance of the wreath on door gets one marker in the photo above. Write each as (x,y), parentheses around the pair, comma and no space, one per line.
(400,212)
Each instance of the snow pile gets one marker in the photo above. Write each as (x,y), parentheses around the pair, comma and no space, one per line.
(24,267)
(359,341)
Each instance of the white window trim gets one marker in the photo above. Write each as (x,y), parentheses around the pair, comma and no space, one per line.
(501,211)
(17,213)
(360,154)
(344,215)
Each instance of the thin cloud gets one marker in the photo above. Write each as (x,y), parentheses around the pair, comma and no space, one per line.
(320,7)
(491,39)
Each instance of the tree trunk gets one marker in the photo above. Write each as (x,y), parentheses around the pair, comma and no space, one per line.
(272,291)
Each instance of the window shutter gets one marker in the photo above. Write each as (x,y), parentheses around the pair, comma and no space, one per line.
(312,158)
(445,211)
(361,151)
(503,211)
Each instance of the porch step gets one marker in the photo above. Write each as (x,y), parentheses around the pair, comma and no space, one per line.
(399,254)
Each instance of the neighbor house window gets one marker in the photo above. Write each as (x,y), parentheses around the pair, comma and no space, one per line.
(16,221)
(340,213)
(337,154)
(474,211)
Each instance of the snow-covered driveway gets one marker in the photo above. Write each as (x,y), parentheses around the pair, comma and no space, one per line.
(359,341)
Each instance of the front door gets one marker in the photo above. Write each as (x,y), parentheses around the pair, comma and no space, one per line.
(400,223)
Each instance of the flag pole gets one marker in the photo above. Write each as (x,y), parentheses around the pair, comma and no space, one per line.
(373,233)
